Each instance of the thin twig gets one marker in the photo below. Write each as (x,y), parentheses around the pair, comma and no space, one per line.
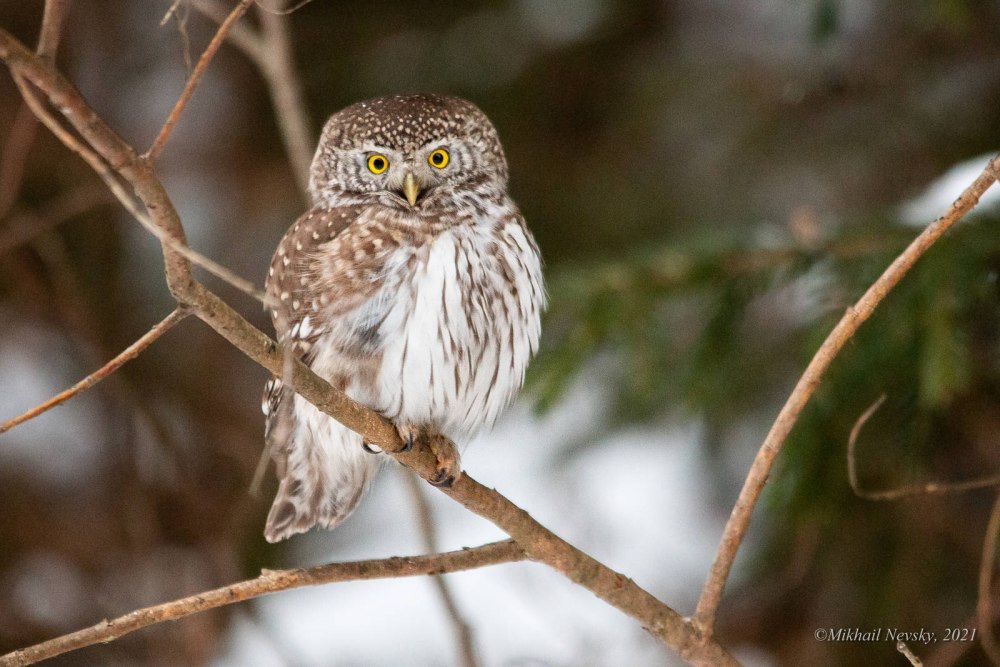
(126,355)
(22,133)
(281,9)
(425,519)
(194,79)
(269,581)
(242,36)
(20,139)
(271,51)
(23,227)
(128,201)
(928,488)
(278,69)
(739,519)
(50,35)
(908,654)
(984,614)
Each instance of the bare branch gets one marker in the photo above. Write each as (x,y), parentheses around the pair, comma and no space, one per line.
(278,68)
(855,316)
(242,36)
(194,79)
(905,491)
(110,178)
(51,33)
(269,581)
(126,355)
(20,139)
(22,227)
(271,51)
(281,8)
(984,613)
(908,654)
(22,131)
(425,518)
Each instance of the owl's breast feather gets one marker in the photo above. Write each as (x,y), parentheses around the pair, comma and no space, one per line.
(458,319)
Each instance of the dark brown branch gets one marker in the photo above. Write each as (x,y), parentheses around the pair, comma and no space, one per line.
(855,316)
(538,542)
(984,613)
(24,128)
(194,79)
(928,488)
(126,355)
(278,68)
(271,51)
(22,227)
(270,581)
(425,519)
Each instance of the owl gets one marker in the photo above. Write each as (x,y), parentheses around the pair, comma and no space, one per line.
(412,284)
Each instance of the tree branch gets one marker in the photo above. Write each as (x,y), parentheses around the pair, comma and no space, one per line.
(984,614)
(22,227)
(271,51)
(855,316)
(538,542)
(242,36)
(194,79)
(24,128)
(277,65)
(126,355)
(927,488)
(269,581)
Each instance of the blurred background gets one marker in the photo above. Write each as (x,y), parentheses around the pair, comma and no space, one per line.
(711,184)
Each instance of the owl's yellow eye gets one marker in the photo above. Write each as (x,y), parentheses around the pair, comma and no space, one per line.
(439,158)
(377,163)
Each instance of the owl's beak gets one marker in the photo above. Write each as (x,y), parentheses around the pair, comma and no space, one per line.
(411,188)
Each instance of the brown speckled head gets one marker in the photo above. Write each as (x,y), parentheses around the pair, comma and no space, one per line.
(405,130)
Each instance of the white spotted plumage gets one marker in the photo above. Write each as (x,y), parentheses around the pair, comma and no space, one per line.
(427,311)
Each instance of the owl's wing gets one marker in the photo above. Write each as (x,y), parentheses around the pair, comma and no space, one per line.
(291,283)
(311,491)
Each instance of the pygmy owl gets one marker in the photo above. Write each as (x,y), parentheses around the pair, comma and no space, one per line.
(412,284)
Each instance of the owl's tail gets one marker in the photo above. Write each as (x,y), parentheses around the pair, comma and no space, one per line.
(325,473)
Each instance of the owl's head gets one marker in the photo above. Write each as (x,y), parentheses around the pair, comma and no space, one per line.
(406,151)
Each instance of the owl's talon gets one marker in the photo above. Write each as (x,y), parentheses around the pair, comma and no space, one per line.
(449,467)
(443,479)
(371,449)
(408,434)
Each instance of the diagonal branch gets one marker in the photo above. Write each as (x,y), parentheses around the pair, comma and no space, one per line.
(269,581)
(278,67)
(984,613)
(242,36)
(855,316)
(270,49)
(22,131)
(194,79)
(23,226)
(110,179)
(538,542)
(927,488)
(126,355)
